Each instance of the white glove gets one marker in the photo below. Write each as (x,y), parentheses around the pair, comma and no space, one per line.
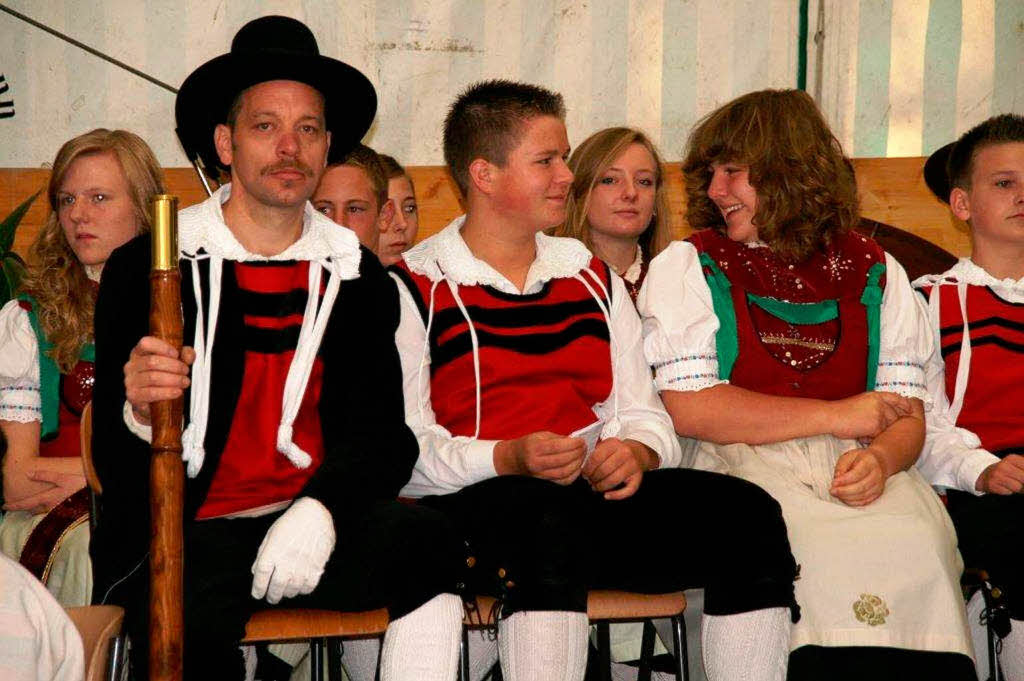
(293,554)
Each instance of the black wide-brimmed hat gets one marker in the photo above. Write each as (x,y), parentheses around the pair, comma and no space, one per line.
(936,172)
(272,48)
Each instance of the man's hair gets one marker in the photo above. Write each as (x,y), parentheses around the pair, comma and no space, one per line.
(805,186)
(368,160)
(996,130)
(486,121)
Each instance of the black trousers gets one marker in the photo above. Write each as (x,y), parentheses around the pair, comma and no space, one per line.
(394,555)
(855,663)
(990,531)
(540,546)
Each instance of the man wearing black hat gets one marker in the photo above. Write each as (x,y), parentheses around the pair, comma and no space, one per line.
(975,439)
(295,444)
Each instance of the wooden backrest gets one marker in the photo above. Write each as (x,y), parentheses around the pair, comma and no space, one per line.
(85,432)
(98,625)
(892,192)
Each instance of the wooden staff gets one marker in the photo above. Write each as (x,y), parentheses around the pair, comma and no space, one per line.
(166,474)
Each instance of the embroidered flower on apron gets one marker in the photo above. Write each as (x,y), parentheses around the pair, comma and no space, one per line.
(870,609)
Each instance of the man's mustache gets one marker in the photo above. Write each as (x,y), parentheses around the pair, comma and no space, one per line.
(288,165)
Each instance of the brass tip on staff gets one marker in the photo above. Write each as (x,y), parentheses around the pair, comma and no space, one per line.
(164,208)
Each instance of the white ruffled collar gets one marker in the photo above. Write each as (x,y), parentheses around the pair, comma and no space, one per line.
(966,271)
(446,255)
(202,227)
(632,272)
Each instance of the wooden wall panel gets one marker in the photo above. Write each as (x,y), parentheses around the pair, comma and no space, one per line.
(892,191)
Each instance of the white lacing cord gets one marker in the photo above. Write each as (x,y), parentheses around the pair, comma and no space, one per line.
(963,368)
(476,351)
(314,322)
(193,450)
(612,426)
(425,355)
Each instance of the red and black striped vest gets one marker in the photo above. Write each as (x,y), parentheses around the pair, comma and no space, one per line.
(545,358)
(995,385)
(251,472)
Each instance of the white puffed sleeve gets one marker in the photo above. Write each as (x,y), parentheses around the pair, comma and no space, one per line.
(679,321)
(19,367)
(640,412)
(905,337)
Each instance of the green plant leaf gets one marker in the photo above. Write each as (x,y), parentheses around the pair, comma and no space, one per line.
(10,223)
(12,270)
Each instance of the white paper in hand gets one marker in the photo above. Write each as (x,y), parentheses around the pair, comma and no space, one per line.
(590,436)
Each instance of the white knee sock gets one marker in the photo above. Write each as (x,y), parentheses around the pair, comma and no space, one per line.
(424,645)
(748,646)
(979,634)
(359,658)
(483,653)
(543,646)
(1011,659)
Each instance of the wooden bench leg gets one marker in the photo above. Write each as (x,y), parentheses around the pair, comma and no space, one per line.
(464,655)
(679,643)
(335,649)
(604,651)
(646,652)
(316,658)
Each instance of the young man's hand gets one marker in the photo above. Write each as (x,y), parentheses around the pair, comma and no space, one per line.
(859,477)
(1004,477)
(541,455)
(154,372)
(866,415)
(617,467)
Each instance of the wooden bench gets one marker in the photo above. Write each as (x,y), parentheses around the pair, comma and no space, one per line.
(892,192)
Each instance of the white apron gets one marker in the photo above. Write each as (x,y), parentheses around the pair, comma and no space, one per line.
(887,574)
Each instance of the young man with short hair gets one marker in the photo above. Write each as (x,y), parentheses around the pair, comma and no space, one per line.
(295,446)
(540,433)
(975,438)
(354,193)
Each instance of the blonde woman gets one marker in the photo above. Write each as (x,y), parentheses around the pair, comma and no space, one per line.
(618,204)
(98,193)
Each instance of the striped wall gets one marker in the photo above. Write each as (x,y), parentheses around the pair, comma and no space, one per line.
(898,77)
(903,77)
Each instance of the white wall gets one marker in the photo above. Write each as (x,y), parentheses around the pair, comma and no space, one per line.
(656,64)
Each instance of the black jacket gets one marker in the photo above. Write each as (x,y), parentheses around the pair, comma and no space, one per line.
(369,451)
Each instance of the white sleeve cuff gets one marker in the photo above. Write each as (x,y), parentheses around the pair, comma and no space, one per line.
(20,402)
(974,463)
(141,430)
(689,372)
(479,460)
(668,453)
(903,377)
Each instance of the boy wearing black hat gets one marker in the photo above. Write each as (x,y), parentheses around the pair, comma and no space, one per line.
(294,444)
(975,441)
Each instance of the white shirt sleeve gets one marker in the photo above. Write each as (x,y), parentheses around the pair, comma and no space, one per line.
(679,321)
(641,414)
(952,456)
(446,463)
(905,341)
(19,367)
